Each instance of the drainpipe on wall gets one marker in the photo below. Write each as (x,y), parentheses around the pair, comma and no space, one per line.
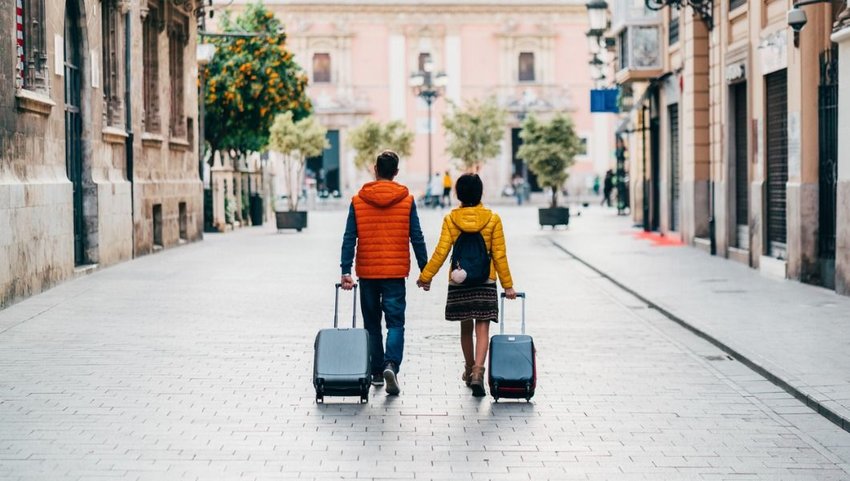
(128,126)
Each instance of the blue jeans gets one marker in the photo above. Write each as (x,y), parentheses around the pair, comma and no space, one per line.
(385,296)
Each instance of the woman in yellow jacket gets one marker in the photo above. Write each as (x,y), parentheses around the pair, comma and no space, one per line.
(473,305)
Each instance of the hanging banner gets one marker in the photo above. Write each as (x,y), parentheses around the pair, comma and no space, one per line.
(19,43)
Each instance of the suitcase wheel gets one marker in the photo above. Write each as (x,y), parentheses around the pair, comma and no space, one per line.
(320,399)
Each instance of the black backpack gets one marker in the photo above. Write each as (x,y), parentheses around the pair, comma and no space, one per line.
(470,254)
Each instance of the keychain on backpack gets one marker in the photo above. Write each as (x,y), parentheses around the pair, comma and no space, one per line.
(458,275)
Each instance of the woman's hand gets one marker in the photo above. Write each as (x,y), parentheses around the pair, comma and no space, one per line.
(424,285)
(510,293)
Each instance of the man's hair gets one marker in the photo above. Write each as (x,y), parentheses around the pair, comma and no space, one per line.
(386,165)
(469,189)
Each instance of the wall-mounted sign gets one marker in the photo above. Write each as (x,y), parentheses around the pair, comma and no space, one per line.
(19,43)
(59,55)
(604,100)
(794,149)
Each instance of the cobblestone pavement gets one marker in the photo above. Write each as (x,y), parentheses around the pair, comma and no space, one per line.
(195,363)
(796,332)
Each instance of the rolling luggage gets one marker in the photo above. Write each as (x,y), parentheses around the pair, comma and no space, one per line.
(513,365)
(341,363)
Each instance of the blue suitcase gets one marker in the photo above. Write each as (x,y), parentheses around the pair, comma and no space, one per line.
(513,364)
(341,359)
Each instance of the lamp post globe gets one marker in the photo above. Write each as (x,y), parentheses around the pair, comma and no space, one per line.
(597,12)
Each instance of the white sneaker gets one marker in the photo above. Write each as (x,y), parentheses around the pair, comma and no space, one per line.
(392,381)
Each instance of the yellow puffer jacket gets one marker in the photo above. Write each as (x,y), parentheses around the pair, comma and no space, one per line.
(472,219)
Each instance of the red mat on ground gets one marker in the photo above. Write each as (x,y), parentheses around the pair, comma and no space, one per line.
(658,240)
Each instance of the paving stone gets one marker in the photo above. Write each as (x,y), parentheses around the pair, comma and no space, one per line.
(195,363)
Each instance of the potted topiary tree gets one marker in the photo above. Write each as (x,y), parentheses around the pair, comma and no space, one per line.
(475,133)
(549,149)
(296,141)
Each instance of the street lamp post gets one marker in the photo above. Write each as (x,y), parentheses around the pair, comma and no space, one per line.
(428,86)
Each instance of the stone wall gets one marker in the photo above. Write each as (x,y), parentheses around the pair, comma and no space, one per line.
(36,195)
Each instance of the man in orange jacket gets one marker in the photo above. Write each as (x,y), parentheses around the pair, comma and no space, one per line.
(382,220)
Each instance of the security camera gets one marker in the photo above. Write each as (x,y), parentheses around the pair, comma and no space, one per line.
(797,19)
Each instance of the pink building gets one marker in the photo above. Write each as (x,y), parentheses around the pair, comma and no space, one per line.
(530,55)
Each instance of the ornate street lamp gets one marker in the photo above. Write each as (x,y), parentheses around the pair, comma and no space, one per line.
(593,42)
(428,86)
(703,8)
(597,12)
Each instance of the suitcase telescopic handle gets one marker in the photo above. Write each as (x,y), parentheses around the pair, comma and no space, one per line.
(336,307)
(502,313)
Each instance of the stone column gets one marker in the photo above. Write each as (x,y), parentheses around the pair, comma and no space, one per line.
(803,153)
(842,247)
(695,139)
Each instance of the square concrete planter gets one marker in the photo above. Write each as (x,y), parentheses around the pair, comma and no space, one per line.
(553,216)
(291,220)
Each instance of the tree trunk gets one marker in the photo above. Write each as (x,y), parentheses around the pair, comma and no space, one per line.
(554,202)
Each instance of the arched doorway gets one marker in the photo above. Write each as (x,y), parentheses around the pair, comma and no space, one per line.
(74,124)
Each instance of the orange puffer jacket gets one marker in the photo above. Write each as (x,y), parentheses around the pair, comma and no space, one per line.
(382,212)
(472,219)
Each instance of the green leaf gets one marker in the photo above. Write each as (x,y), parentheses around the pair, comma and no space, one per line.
(475,132)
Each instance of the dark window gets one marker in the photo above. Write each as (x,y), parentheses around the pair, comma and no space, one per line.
(623,47)
(673,31)
(178,36)
(183,221)
(739,129)
(30,44)
(675,168)
(424,58)
(526,67)
(322,68)
(733,4)
(157,225)
(151,29)
(112,93)
(776,146)
(582,146)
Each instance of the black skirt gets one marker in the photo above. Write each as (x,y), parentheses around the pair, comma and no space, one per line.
(468,303)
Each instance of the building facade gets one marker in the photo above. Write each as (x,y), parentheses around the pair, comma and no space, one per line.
(98,159)
(531,56)
(732,133)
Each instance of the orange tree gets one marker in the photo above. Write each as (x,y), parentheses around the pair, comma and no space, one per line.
(250,80)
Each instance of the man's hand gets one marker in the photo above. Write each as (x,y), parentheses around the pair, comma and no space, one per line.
(510,293)
(424,285)
(347,282)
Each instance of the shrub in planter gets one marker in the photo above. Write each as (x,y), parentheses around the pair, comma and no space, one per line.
(296,141)
(549,149)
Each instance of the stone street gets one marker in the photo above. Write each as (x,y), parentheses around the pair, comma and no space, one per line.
(196,363)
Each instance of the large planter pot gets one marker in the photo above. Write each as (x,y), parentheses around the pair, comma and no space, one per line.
(554,216)
(256,208)
(291,220)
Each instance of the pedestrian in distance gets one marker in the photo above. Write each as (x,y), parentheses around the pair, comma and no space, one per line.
(446,199)
(519,188)
(607,188)
(436,188)
(382,220)
(474,236)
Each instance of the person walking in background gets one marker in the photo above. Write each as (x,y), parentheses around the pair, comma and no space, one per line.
(446,199)
(382,220)
(476,240)
(436,188)
(518,184)
(607,187)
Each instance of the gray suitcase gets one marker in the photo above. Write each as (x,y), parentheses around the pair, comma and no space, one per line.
(341,362)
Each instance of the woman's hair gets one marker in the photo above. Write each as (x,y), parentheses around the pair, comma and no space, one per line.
(469,189)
